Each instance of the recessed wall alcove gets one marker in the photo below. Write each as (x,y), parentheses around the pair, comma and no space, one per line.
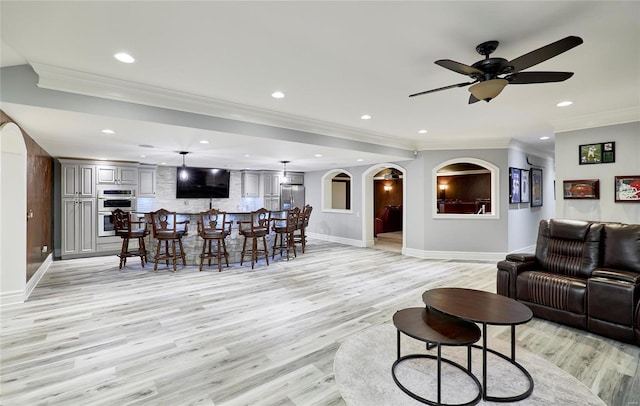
(465,188)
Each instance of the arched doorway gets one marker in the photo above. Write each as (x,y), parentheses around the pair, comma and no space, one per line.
(384,192)
(13,218)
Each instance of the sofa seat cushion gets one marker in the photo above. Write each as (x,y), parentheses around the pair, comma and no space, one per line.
(561,292)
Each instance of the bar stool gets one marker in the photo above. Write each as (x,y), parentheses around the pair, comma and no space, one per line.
(284,228)
(303,222)
(164,225)
(211,227)
(127,229)
(256,228)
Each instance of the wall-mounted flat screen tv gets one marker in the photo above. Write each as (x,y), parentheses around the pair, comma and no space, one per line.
(203,183)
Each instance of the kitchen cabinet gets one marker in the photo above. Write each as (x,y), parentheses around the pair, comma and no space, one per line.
(78,180)
(271,190)
(147,182)
(78,226)
(117,175)
(296,178)
(271,184)
(250,184)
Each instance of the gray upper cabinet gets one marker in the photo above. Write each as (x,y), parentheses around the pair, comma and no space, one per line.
(117,175)
(147,182)
(250,184)
(296,178)
(78,180)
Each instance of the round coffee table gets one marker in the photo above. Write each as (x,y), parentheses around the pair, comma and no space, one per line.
(435,328)
(486,308)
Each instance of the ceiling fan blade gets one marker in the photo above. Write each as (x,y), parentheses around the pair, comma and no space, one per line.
(441,88)
(523,78)
(546,52)
(473,99)
(459,67)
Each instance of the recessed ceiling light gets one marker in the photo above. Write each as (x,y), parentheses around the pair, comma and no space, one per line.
(163,163)
(545,137)
(247,155)
(422,131)
(564,103)
(277,95)
(143,156)
(204,142)
(124,57)
(318,155)
(359,159)
(365,117)
(107,131)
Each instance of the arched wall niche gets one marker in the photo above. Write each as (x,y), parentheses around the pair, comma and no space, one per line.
(337,190)
(466,188)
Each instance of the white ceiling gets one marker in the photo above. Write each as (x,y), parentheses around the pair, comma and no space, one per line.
(335,61)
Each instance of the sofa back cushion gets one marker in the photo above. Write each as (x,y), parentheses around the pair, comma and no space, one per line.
(569,247)
(622,247)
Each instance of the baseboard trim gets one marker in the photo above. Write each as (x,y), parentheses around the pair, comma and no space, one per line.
(340,240)
(441,255)
(35,279)
(11,298)
(455,255)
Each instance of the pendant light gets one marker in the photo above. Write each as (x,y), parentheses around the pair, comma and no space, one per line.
(285,178)
(184,174)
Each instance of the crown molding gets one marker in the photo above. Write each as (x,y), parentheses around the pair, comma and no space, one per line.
(88,84)
(599,119)
(466,143)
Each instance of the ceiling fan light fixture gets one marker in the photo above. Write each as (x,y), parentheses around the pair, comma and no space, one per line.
(488,89)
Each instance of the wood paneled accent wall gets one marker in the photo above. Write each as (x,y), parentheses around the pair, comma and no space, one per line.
(39,200)
(384,198)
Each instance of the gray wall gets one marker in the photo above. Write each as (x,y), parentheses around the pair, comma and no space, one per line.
(627,139)
(425,236)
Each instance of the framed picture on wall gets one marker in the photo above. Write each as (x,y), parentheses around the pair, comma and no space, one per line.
(514,185)
(599,153)
(536,187)
(525,187)
(627,189)
(581,189)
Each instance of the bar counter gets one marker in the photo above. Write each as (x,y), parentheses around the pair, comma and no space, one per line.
(192,242)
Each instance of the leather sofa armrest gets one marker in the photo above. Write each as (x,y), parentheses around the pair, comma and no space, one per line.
(618,275)
(507,275)
(516,267)
(521,257)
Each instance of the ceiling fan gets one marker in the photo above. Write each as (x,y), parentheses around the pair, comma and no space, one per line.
(491,75)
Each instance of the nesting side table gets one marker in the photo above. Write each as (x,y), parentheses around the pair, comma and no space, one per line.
(435,329)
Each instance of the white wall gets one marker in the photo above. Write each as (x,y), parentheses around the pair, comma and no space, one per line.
(627,162)
(13,214)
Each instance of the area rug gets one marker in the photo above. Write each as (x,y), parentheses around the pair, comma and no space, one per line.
(362,369)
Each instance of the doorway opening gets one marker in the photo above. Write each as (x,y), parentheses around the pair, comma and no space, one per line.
(388,210)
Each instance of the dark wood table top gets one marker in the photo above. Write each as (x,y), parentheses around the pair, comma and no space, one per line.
(426,325)
(477,306)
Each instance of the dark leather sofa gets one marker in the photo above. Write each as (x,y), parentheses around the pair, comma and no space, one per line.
(583,274)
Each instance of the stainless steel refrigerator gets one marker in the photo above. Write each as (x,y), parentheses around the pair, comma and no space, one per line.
(291,196)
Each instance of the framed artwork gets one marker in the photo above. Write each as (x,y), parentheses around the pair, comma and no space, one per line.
(525,187)
(514,185)
(581,189)
(599,153)
(627,188)
(536,187)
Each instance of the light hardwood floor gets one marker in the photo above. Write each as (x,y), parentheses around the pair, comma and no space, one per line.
(93,335)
